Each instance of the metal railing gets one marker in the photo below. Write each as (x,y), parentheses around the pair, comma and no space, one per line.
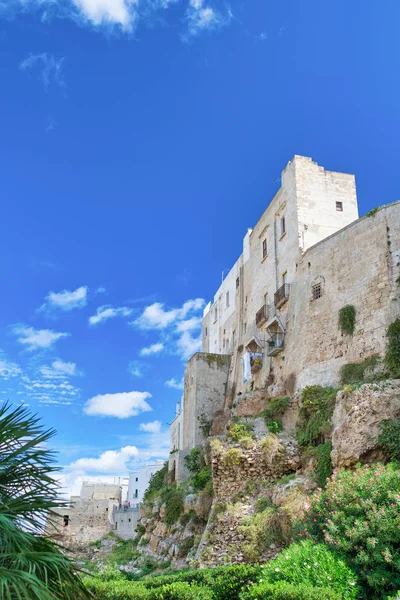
(281,295)
(262,315)
(275,344)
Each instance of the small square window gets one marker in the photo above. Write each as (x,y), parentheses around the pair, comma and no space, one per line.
(283,225)
(264,248)
(316,291)
(237,282)
(339,206)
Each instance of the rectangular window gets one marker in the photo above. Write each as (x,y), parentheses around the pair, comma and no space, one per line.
(215,314)
(264,248)
(245,327)
(136,493)
(206,331)
(137,479)
(316,291)
(234,339)
(339,206)
(227,299)
(223,343)
(283,226)
(237,282)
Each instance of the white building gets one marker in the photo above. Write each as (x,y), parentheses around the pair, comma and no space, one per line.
(139,481)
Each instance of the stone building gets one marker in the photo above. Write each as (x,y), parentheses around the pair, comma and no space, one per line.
(273,323)
(88,517)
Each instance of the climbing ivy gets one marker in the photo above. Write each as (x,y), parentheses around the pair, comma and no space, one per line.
(347,319)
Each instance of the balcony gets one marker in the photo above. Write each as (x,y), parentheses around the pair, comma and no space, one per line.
(281,295)
(275,344)
(262,315)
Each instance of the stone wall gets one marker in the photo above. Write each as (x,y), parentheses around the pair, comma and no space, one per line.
(233,466)
(125,522)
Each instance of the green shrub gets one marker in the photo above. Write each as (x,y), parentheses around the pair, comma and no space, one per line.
(262,503)
(315,415)
(274,426)
(194,461)
(324,467)
(287,591)
(173,498)
(277,406)
(157,482)
(123,551)
(202,478)
(232,457)
(389,438)
(392,358)
(356,372)
(347,319)
(313,565)
(127,590)
(358,515)
(240,431)
(263,529)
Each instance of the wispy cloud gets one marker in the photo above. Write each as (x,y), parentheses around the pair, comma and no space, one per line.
(8,369)
(66,300)
(152,427)
(103,313)
(121,405)
(175,383)
(188,345)
(137,368)
(51,67)
(59,369)
(36,339)
(110,14)
(153,349)
(202,17)
(111,461)
(156,317)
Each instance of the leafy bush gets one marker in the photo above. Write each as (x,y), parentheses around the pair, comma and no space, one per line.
(274,426)
(287,591)
(358,514)
(157,482)
(324,467)
(392,358)
(232,457)
(389,438)
(347,319)
(173,498)
(126,590)
(277,406)
(123,551)
(313,565)
(240,430)
(356,372)
(202,478)
(194,461)
(263,529)
(315,415)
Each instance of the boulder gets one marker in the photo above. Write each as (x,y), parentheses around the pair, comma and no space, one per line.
(356,420)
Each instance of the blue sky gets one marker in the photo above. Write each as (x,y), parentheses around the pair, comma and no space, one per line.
(138,142)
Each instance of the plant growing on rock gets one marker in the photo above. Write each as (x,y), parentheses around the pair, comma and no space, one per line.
(347,319)
(389,438)
(358,515)
(317,406)
(392,357)
(238,431)
(233,457)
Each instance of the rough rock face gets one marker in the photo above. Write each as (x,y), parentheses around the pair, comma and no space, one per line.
(356,421)
(233,466)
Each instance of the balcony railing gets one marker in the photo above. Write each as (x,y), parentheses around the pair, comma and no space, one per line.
(281,295)
(275,344)
(262,315)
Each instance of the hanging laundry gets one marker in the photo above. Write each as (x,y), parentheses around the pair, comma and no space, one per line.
(246,367)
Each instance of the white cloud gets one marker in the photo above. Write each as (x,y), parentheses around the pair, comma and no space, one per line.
(121,405)
(115,12)
(204,18)
(155,317)
(103,313)
(8,369)
(66,300)
(136,368)
(175,384)
(152,427)
(35,339)
(51,67)
(111,461)
(189,324)
(188,345)
(69,368)
(153,349)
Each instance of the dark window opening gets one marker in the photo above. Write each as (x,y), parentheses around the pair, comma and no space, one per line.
(264,249)
(316,291)
(136,493)
(339,206)
(283,225)
(65,520)
(237,282)
(137,479)
(206,331)
(129,520)
(106,509)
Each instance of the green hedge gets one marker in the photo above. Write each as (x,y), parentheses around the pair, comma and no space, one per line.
(127,590)
(287,591)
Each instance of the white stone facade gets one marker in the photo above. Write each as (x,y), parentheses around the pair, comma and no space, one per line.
(307,257)
(139,481)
